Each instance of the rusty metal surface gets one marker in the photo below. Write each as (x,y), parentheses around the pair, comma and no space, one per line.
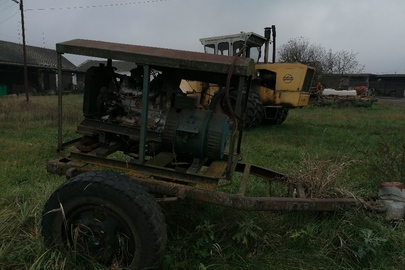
(260,171)
(91,126)
(394,191)
(186,61)
(247,203)
(217,169)
(215,197)
(206,193)
(179,182)
(145,169)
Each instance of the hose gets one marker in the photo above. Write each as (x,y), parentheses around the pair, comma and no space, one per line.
(228,83)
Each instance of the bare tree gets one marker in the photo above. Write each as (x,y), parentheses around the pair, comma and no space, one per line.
(300,50)
(346,63)
(325,61)
(328,62)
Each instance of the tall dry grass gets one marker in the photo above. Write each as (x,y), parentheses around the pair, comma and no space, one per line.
(39,108)
(321,178)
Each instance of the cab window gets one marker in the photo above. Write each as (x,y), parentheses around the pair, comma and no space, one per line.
(223,48)
(237,45)
(254,53)
(209,48)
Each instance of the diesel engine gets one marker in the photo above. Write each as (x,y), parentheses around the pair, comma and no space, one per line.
(113,107)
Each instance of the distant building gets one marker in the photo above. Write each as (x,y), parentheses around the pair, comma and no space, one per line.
(41,67)
(389,85)
(383,85)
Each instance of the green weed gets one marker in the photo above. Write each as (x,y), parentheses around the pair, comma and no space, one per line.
(370,243)
(205,240)
(389,162)
(350,149)
(247,232)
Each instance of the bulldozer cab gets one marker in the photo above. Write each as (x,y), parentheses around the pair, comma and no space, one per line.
(232,44)
(276,87)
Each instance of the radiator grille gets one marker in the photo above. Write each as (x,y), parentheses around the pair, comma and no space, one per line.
(308,80)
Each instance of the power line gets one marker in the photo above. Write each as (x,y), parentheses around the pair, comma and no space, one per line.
(10,17)
(2,3)
(7,8)
(97,6)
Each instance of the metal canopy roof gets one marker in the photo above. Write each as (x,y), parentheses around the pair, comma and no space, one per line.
(184,64)
(250,38)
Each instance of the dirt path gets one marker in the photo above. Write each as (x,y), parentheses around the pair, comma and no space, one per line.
(389,100)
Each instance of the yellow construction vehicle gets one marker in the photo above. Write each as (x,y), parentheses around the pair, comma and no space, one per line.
(276,87)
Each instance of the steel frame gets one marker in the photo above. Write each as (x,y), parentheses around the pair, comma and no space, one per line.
(202,179)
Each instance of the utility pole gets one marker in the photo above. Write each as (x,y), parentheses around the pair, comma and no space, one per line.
(24,51)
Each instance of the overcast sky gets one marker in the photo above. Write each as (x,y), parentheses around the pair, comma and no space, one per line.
(375,29)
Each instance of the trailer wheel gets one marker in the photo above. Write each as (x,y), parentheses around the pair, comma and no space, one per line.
(107,216)
(254,110)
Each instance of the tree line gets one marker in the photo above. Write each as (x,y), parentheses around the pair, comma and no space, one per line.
(324,60)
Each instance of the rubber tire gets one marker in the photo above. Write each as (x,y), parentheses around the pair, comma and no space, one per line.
(280,118)
(127,205)
(254,111)
(259,109)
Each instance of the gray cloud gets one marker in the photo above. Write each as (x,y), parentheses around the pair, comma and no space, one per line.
(372,28)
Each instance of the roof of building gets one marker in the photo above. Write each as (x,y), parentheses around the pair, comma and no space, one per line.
(121,66)
(350,75)
(391,75)
(12,54)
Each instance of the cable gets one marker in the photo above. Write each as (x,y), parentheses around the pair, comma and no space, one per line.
(13,5)
(4,2)
(10,17)
(97,6)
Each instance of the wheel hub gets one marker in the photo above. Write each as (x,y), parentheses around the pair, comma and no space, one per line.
(99,234)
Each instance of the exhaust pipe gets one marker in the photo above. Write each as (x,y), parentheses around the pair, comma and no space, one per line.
(273,30)
(268,32)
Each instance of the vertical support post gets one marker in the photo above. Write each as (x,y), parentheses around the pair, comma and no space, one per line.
(144,113)
(60,109)
(243,83)
(24,53)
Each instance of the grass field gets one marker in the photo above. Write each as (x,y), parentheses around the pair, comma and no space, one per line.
(355,148)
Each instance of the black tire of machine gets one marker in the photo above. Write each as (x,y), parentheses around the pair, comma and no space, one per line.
(280,114)
(254,110)
(109,217)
